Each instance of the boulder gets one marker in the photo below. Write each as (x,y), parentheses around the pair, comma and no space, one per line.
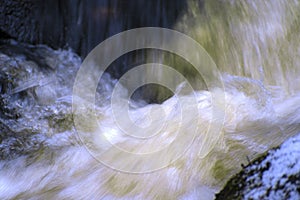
(275,175)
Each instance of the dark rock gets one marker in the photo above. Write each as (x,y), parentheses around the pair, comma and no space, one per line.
(81,24)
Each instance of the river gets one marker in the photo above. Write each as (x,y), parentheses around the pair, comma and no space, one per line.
(212,132)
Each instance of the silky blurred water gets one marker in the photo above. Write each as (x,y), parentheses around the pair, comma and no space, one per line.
(256,48)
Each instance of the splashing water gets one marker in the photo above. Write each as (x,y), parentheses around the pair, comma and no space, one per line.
(254,45)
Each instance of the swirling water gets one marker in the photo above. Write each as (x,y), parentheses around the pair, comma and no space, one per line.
(255,46)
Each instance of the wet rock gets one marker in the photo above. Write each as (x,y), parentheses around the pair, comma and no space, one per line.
(275,175)
(33,96)
(81,24)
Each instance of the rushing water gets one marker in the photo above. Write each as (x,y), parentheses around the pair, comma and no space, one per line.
(254,44)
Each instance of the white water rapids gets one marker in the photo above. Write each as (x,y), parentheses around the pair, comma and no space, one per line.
(256,47)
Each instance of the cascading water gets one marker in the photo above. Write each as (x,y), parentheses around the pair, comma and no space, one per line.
(255,47)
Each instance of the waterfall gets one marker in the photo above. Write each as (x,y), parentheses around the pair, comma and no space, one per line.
(60,145)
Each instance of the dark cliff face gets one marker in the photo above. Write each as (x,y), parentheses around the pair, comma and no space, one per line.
(82,24)
(17,20)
